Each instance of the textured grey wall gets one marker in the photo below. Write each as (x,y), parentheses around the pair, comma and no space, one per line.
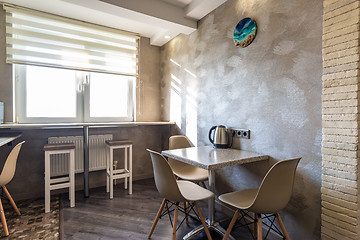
(272,87)
(5,74)
(148,86)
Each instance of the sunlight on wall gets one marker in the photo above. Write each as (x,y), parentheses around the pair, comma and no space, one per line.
(190,73)
(247,5)
(174,62)
(189,104)
(175,101)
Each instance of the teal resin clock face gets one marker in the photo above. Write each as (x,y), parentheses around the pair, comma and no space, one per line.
(244,32)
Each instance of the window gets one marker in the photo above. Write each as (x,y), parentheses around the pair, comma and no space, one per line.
(46,94)
(70,71)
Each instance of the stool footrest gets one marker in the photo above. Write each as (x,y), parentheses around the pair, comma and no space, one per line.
(60,185)
(124,175)
(120,173)
(59,180)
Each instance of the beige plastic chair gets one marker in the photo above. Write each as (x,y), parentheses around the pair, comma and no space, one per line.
(273,195)
(6,176)
(183,170)
(176,191)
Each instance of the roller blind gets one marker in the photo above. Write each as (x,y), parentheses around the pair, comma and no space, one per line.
(42,39)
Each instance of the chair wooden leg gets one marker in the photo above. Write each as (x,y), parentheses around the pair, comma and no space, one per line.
(175,221)
(281,223)
(203,221)
(255,224)
(259,227)
(3,219)
(11,200)
(203,185)
(157,218)
(186,207)
(232,223)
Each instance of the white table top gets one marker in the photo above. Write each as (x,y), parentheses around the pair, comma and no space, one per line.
(210,158)
(4,140)
(80,125)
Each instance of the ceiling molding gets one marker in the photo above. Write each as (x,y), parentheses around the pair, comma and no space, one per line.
(198,9)
(154,19)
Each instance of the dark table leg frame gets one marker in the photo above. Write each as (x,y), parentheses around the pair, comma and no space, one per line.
(212,224)
(86,161)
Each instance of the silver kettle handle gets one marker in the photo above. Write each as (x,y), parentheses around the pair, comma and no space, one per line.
(210,131)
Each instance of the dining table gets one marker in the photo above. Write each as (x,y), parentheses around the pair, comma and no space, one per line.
(211,159)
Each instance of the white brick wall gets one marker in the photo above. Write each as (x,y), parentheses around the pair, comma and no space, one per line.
(340,114)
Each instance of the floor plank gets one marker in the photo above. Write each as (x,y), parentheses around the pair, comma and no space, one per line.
(126,216)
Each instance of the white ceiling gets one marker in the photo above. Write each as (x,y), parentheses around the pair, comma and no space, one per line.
(154,19)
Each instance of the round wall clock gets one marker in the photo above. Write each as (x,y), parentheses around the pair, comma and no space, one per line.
(244,32)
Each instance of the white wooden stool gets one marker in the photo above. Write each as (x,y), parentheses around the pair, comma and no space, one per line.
(125,172)
(59,182)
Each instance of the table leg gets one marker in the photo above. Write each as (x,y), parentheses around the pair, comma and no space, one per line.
(212,225)
(211,200)
(86,161)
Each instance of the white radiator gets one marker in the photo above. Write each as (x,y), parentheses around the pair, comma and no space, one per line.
(97,154)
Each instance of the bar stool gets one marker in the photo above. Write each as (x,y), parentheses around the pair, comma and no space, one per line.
(59,182)
(125,172)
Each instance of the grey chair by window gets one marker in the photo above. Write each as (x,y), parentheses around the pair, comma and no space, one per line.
(182,170)
(6,176)
(273,195)
(175,191)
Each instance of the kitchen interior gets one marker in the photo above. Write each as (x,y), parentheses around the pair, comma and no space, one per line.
(291,92)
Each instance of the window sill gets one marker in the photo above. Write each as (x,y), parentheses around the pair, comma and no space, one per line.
(81,125)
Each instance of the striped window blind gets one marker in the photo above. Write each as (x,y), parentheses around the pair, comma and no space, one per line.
(42,39)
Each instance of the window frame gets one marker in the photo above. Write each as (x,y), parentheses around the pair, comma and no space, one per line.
(82,100)
(131,103)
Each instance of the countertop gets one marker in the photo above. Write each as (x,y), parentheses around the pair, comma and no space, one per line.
(4,139)
(79,125)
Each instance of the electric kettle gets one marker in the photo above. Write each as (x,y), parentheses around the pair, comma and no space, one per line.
(220,137)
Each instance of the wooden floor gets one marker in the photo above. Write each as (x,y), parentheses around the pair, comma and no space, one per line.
(126,216)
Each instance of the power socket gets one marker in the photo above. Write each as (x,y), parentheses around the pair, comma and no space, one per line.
(241,133)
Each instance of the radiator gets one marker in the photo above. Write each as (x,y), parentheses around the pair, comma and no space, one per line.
(97,154)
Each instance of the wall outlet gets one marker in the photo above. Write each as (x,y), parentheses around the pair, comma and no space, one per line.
(241,133)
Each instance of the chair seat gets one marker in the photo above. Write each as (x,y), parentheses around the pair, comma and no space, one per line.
(240,199)
(193,192)
(191,173)
(118,142)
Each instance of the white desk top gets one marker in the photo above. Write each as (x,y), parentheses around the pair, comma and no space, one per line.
(211,158)
(80,125)
(4,140)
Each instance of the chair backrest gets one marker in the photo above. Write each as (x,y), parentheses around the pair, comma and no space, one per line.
(9,168)
(179,141)
(176,142)
(165,180)
(276,188)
